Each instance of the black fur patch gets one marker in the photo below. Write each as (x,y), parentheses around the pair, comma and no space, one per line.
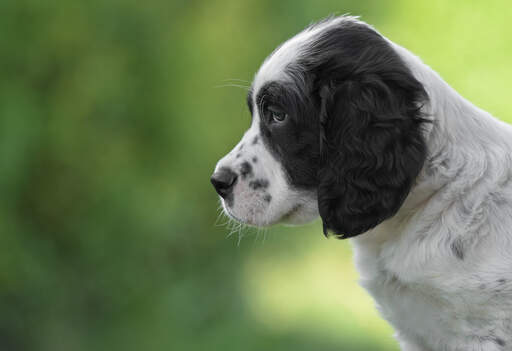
(499,341)
(254,159)
(267,198)
(245,170)
(249,100)
(353,129)
(457,247)
(258,184)
(295,141)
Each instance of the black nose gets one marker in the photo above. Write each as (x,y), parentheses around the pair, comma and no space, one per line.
(223,180)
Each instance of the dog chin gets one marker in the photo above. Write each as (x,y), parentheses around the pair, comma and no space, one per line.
(299,214)
(251,221)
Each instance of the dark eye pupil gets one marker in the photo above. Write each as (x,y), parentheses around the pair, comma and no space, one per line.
(275,114)
(278,116)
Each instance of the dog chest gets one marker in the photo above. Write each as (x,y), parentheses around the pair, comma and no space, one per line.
(434,308)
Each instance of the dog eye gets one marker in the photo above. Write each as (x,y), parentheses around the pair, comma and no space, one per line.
(275,114)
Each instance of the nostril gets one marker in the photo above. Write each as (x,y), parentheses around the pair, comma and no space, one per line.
(223,181)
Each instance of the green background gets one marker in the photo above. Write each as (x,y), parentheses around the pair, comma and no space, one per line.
(112,116)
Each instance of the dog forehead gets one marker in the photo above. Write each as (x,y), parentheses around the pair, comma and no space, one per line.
(274,66)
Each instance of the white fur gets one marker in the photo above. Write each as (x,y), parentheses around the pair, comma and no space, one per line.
(287,205)
(463,196)
(272,68)
(434,300)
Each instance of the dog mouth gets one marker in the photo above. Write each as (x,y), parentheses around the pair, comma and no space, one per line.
(251,221)
(256,219)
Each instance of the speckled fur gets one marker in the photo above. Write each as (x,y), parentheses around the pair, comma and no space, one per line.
(440,270)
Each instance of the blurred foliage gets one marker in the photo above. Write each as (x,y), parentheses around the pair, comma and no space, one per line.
(112,117)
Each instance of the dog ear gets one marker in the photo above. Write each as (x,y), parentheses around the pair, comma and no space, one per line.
(371,150)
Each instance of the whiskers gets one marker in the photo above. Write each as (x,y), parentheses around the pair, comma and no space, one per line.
(235,83)
(261,232)
(221,216)
(240,229)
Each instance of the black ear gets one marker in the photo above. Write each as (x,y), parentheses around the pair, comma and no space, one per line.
(371,148)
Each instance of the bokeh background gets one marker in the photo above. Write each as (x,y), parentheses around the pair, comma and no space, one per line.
(113,114)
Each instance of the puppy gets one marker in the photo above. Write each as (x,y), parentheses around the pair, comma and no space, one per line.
(351,127)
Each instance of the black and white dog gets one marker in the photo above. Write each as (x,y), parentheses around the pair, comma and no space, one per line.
(352,127)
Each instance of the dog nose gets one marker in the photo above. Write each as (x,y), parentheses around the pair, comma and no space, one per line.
(223,181)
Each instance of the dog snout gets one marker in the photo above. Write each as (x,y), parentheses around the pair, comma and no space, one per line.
(223,181)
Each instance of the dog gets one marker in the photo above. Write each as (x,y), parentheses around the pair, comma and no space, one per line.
(351,127)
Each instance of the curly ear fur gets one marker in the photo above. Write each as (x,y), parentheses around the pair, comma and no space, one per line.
(372,148)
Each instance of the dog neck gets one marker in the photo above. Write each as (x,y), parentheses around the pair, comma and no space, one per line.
(469,151)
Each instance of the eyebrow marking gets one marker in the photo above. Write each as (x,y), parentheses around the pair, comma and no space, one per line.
(269,92)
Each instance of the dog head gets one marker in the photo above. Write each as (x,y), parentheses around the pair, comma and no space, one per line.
(336,131)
